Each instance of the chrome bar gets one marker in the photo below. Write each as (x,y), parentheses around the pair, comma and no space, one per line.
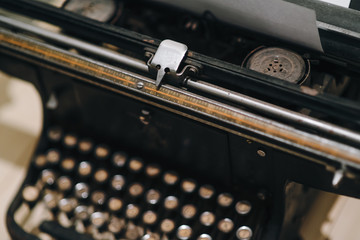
(77,44)
(274,110)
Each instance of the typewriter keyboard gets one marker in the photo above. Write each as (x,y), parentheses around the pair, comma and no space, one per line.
(92,192)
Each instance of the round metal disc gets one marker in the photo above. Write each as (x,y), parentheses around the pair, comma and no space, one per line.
(279,63)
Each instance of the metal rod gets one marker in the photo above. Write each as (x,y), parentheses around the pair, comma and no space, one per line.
(77,44)
(274,110)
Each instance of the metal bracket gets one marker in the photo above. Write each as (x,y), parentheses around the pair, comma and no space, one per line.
(167,59)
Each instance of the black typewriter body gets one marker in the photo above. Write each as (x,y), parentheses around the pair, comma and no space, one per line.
(268,163)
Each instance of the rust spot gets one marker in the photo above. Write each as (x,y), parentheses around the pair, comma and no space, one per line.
(149,40)
(309,91)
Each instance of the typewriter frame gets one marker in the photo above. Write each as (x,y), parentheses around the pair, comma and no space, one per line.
(282,162)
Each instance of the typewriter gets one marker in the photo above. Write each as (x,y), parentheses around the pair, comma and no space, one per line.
(201,120)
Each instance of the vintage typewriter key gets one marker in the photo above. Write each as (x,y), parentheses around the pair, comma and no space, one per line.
(40,161)
(151,236)
(244,233)
(48,177)
(188,186)
(152,197)
(54,134)
(132,212)
(85,170)
(81,212)
(184,232)
(207,219)
(149,219)
(225,226)
(70,141)
(116,225)
(243,207)
(82,191)
(171,203)
(170,180)
(30,194)
(102,152)
(67,205)
(167,226)
(98,219)
(98,198)
(115,204)
(225,201)
(51,200)
(204,236)
(117,183)
(188,211)
(206,194)
(53,156)
(64,184)
(68,164)
(135,191)
(85,146)
(152,170)
(119,159)
(101,176)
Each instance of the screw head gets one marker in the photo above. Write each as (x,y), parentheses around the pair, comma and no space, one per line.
(261,153)
(139,85)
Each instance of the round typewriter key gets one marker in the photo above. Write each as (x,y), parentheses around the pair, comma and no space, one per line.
(30,193)
(188,211)
(67,204)
(207,219)
(53,156)
(70,140)
(85,146)
(115,204)
(170,178)
(98,219)
(225,225)
(40,161)
(149,217)
(116,225)
(171,202)
(167,225)
(132,211)
(84,169)
(243,207)
(117,182)
(119,159)
(184,232)
(48,177)
(135,165)
(101,176)
(206,191)
(82,190)
(204,236)
(188,185)
(136,189)
(64,183)
(225,199)
(102,151)
(152,170)
(68,164)
(151,236)
(98,197)
(244,233)
(50,199)
(153,196)
(54,134)
(81,212)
